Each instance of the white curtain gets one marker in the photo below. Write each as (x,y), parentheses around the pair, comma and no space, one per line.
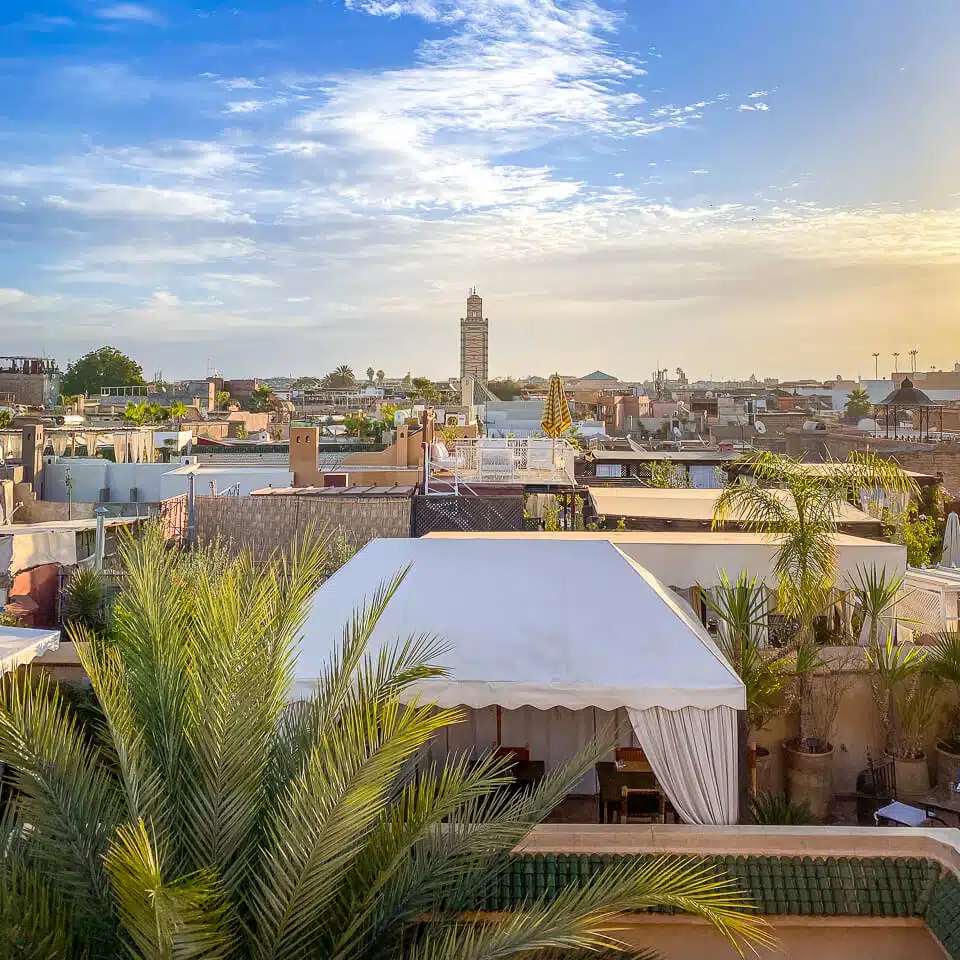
(90,439)
(120,448)
(695,757)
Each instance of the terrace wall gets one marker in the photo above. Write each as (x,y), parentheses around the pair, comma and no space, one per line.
(267,524)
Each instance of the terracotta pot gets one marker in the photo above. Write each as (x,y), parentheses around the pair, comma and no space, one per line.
(948,767)
(809,778)
(763,776)
(913,777)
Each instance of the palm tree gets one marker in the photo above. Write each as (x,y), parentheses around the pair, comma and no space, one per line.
(799,510)
(223,399)
(381,376)
(178,410)
(137,413)
(206,817)
(341,376)
(858,403)
(370,373)
(741,608)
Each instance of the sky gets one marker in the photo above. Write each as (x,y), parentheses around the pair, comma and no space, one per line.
(275,187)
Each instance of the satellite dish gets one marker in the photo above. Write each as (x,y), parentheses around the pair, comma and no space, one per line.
(759,427)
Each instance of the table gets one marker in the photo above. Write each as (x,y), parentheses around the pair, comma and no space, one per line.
(613,778)
(937,799)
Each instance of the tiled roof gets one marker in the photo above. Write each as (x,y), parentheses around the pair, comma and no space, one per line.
(943,914)
(779,886)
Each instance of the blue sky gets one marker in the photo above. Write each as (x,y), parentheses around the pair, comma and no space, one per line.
(279,187)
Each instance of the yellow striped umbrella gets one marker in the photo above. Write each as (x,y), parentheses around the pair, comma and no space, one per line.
(556,413)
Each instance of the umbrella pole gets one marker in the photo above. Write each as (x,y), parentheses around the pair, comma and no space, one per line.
(499,726)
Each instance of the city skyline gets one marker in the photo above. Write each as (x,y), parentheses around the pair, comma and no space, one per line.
(732,190)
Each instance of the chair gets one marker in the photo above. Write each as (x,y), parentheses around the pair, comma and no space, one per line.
(630,753)
(877,798)
(642,805)
(519,754)
(496,463)
(540,455)
(608,790)
(441,458)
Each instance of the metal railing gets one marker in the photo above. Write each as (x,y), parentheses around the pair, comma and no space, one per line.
(507,460)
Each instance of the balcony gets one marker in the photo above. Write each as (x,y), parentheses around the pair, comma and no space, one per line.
(534,461)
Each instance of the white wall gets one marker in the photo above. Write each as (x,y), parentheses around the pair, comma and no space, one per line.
(91,475)
(521,418)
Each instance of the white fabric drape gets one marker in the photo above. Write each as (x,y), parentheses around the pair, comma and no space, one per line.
(695,757)
(119,448)
(90,439)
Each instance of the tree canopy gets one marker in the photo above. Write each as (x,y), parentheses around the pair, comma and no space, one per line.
(106,367)
(341,376)
(261,400)
(505,389)
(858,403)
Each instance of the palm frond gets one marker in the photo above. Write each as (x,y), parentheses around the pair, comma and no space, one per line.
(587,917)
(34,920)
(185,920)
(68,799)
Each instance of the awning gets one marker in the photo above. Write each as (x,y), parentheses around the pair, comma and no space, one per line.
(554,623)
(542,623)
(19,646)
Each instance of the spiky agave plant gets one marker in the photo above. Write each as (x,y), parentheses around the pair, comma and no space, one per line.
(211,819)
(775,809)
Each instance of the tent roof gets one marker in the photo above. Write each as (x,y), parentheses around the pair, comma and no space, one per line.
(664,503)
(18,645)
(522,628)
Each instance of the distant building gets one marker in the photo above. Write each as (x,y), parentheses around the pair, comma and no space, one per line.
(474,341)
(30,381)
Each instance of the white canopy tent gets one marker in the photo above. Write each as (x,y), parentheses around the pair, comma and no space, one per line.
(527,629)
(19,645)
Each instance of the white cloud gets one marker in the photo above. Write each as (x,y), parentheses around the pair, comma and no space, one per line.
(759,93)
(298,299)
(129,201)
(163,298)
(236,83)
(219,280)
(245,106)
(132,12)
(761,107)
(699,171)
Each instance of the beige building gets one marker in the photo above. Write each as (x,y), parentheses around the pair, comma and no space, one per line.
(474,341)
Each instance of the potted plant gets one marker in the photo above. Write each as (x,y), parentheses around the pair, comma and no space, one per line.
(906,693)
(741,611)
(819,684)
(875,596)
(943,661)
(799,510)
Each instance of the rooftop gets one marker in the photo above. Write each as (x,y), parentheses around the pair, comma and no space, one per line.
(682,504)
(64,526)
(396,490)
(675,456)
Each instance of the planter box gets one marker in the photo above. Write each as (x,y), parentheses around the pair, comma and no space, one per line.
(913,777)
(809,778)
